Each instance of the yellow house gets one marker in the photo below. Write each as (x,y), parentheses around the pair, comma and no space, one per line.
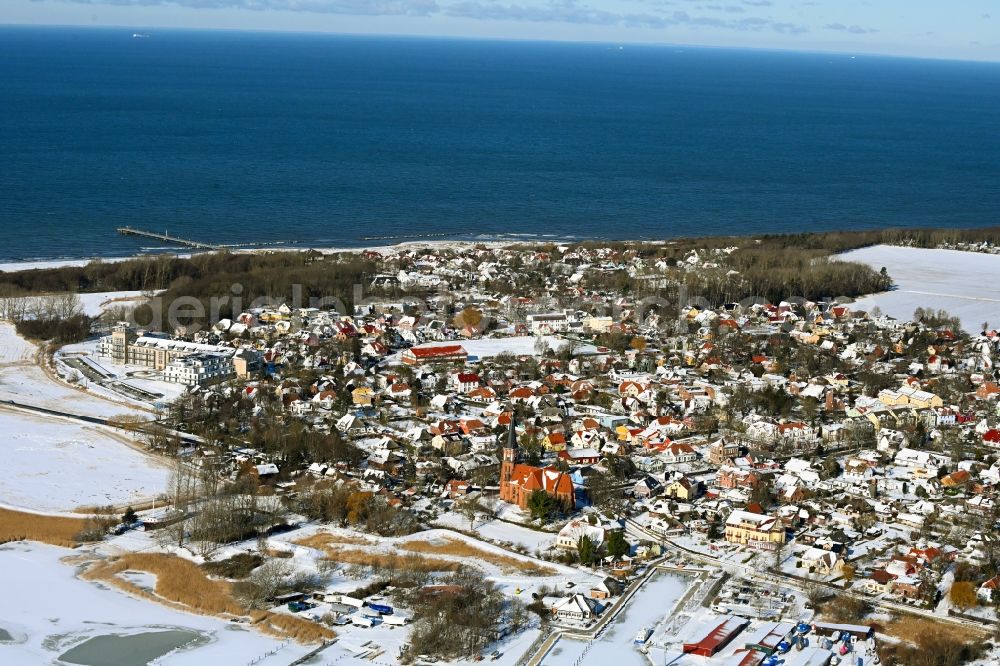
(806,337)
(624,433)
(754,530)
(554,441)
(909,396)
(681,489)
(362,396)
(598,324)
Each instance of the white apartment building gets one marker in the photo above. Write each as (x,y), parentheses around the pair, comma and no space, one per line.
(200,368)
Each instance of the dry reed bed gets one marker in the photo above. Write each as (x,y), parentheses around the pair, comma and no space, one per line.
(329,544)
(910,628)
(136,506)
(332,546)
(182,585)
(322,540)
(458,548)
(53,530)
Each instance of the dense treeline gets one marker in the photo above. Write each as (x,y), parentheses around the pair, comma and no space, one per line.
(290,444)
(771,267)
(460,622)
(346,506)
(57,317)
(61,331)
(294,278)
(203,276)
(775,275)
(232,282)
(133,274)
(826,242)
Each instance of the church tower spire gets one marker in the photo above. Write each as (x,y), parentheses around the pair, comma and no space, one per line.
(509,456)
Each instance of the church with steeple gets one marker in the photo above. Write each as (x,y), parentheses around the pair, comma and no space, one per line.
(518,481)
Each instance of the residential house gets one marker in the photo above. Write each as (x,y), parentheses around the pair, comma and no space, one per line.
(753,530)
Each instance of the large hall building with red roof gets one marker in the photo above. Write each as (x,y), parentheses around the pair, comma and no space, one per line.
(518,481)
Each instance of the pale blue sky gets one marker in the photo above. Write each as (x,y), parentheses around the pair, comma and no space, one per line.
(967,29)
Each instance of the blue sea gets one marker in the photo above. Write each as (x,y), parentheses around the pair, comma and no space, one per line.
(346,141)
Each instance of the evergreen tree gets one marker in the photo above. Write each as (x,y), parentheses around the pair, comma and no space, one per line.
(585,549)
(617,545)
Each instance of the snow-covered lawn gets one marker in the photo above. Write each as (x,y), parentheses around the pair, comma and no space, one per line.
(48,610)
(499,564)
(963,283)
(503,532)
(54,465)
(522,345)
(14,348)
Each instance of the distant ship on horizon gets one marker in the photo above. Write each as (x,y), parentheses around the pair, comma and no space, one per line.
(140,35)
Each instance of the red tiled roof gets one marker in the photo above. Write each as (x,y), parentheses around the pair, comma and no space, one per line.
(442,350)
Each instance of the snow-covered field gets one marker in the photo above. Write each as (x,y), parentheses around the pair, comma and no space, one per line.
(95,304)
(53,465)
(13,348)
(520,345)
(963,283)
(22,380)
(48,610)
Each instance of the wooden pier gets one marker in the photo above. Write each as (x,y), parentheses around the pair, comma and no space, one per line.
(167,238)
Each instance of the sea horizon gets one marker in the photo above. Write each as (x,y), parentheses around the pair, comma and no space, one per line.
(150,30)
(328,140)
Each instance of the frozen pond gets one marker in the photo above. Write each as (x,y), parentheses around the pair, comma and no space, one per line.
(134,650)
(657,598)
(53,615)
